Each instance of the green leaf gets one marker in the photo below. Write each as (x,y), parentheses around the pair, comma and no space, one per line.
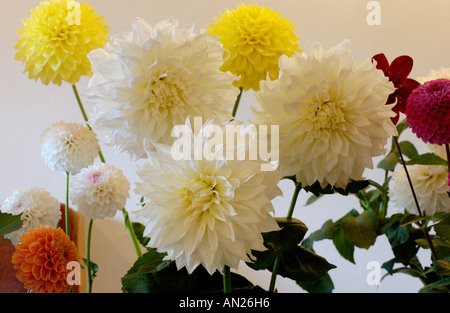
(168,279)
(389,162)
(442,229)
(328,229)
(441,286)
(442,267)
(150,262)
(313,199)
(396,233)
(295,262)
(94,267)
(139,232)
(401,126)
(317,189)
(389,265)
(353,187)
(289,236)
(291,233)
(427,159)
(407,250)
(409,218)
(9,223)
(322,285)
(302,265)
(442,247)
(343,245)
(362,230)
(408,149)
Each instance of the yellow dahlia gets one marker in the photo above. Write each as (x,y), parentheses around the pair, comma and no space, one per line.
(56,39)
(254,38)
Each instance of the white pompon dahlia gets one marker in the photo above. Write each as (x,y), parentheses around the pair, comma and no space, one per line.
(442,72)
(152,78)
(99,190)
(37,206)
(208,212)
(331,112)
(69,147)
(430,184)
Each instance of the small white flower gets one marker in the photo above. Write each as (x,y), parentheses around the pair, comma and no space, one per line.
(332,115)
(99,190)
(69,147)
(442,72)
(37,206)
(149,79)
(208,212)
(430,184)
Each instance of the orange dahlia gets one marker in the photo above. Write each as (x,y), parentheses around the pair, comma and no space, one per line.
(41,259)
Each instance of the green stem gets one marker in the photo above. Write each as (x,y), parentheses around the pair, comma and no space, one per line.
(226,279)
(298,188)
(273,278)
(384,193)
(132,234)
(83,112)
(236,103)
(88,257)
(66,209)
(423,227)
(102,159)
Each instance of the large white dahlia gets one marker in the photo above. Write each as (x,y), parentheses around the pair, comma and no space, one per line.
(210,212)
(151,78)
(430,184)
(331,112)
(37,206)
(99,190)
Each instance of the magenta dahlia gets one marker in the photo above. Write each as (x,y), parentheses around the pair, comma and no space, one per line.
(428,111)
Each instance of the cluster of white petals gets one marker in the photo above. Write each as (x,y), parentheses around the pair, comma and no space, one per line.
(430,184)
(37,206)
(332,115)
(69,147)
(151,78)
(442,72)
(210,211)
(99,190)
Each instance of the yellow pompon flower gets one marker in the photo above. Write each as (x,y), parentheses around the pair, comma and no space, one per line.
(254,38)
(56,39)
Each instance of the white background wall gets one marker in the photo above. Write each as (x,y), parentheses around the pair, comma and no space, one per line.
(417,28)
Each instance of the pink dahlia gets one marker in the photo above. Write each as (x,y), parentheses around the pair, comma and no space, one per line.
(428,111)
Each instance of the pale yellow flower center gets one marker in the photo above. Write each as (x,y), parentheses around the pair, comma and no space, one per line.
(327,115)
(164,94)
(209,194)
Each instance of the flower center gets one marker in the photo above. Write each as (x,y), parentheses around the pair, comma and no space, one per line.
(164,92)
(327,115)
(209,194)
(95,177)
(200,193)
